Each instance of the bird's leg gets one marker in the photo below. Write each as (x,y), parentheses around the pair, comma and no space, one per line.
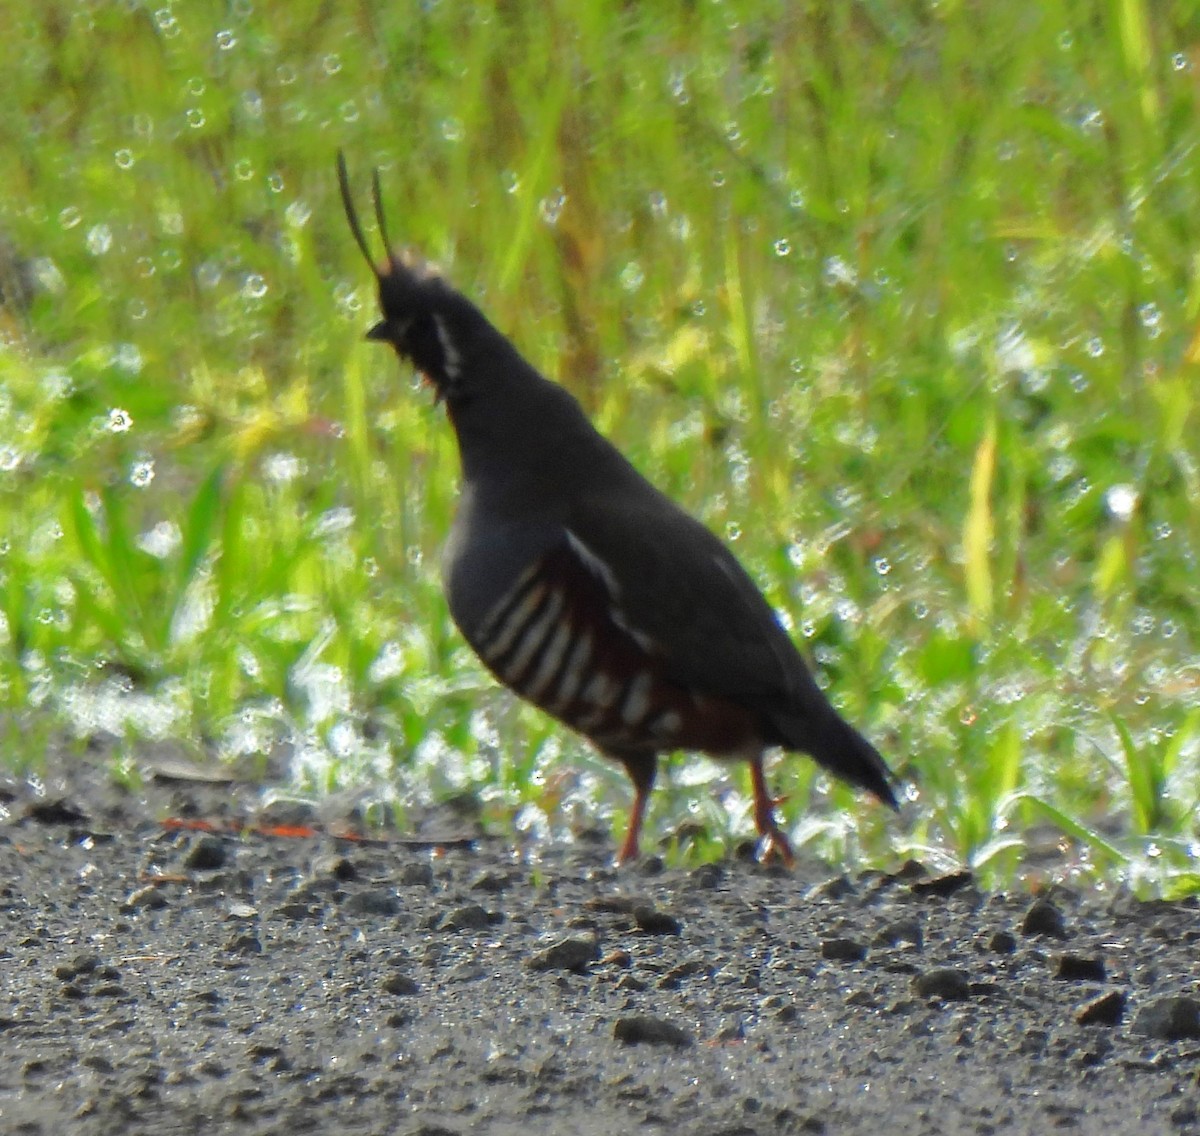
(641,769)
(773,842)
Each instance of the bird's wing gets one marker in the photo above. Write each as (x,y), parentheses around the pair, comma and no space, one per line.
(676,586)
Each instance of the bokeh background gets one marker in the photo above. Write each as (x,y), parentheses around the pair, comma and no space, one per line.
(901,298)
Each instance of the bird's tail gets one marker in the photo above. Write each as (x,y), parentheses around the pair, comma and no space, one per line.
(840,748)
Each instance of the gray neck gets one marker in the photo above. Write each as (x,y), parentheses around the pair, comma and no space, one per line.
(527,430)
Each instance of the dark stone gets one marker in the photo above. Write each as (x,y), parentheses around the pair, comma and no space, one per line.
(945,982)
(944,885)
(901,931)
(1003,943)
(655,922)
(843,950)
(638,1029)
(1080,968)
(399,984)
(206,854)
(1043,918)
(1107,1010)
(374,901)
(576,953)
(469,917)
(1170,1019)
(417,874)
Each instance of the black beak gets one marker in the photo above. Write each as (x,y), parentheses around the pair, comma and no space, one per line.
(382,330)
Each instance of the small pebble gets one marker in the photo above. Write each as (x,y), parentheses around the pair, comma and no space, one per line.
(946,982)
(1003,943)
(399,984)
(610,905)
(674,977)
(1170,1019)
(944,885)
(297,911)
(339,868)
(373,901)
(575,953)
(734,1031)
(80,964)
(654,922)
(707,876)
(244,945)
(417,874)
(843,950)
(901,931)
(469,917)
(1043,918)
(862,998)
(492,882)
(149,897)
(910,871)
(837,888)
(1107,1010)
(206,854)
(1080,968)
(637,1029)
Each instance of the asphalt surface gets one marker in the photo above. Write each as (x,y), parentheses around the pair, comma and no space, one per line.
(166,979)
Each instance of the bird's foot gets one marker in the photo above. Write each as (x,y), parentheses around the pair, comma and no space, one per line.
(630,851)
(773,845)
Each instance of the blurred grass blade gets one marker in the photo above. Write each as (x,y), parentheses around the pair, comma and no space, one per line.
(1144,778)
(1111,570)
(198,528)
(103,607)
(87,535)
(1004,767)
(534,178)
(1136,47)
(196,548)
(231,570)
(1184,733)
(1070,826)
(125,571)
(978,528)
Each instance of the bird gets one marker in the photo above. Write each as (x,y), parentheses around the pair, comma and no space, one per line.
(583,588)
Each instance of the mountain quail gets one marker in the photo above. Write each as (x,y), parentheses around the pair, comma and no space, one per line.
(584,589)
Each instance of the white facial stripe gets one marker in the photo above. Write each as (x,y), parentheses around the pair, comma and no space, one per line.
(451,359)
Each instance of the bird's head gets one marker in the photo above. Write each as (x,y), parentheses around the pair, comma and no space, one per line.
(424,319)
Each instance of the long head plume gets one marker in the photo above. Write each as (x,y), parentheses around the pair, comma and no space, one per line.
(424,320)
(352,216)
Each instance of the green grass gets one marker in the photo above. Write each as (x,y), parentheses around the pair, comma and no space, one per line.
(901,298)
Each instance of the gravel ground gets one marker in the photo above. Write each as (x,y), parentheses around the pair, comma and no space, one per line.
(163,981)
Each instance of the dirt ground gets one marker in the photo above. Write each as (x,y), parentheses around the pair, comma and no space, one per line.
(158,980)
